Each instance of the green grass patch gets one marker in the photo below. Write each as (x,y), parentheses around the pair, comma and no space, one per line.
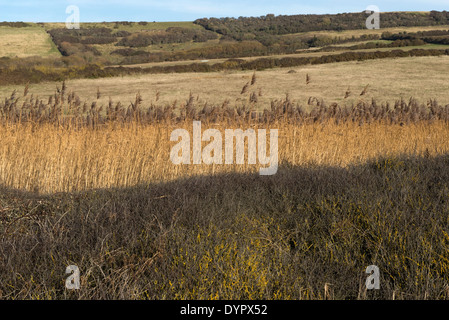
(26,42)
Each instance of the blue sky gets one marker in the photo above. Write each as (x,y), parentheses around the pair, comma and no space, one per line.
(188,10)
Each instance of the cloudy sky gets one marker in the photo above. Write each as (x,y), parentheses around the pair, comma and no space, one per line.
(188,10)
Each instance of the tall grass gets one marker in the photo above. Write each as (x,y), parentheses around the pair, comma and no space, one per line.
(50,159)
(357,185)
(61,144)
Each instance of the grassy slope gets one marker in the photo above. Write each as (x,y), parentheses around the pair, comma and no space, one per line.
(135,27)
(25,42)
(106,49)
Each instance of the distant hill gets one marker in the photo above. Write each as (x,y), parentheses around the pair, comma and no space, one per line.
(33,52)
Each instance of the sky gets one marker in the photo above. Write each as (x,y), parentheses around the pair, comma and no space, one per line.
(189,10)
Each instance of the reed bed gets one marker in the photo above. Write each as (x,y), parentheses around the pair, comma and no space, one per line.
(63,145)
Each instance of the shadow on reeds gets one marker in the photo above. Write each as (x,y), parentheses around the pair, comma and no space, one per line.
(237,236)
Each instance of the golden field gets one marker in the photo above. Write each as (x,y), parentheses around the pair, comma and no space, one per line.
(388,80)
(49,160)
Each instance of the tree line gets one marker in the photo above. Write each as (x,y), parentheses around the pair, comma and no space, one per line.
(244,28)
(432,36)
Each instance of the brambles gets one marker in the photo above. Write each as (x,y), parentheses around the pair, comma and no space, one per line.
(126,52)
(230,236)
(18,24)
(375,45)
(83,35)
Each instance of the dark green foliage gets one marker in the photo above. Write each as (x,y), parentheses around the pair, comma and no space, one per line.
(129,52)
(277,25)
(122,33)
(433,36)
(68,49)
(76,35)
(170,35)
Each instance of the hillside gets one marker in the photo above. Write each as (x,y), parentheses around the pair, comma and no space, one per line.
(35,52)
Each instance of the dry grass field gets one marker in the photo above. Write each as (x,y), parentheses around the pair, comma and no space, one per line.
(48,160)
(26,42)
(422,78)
(302,53)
